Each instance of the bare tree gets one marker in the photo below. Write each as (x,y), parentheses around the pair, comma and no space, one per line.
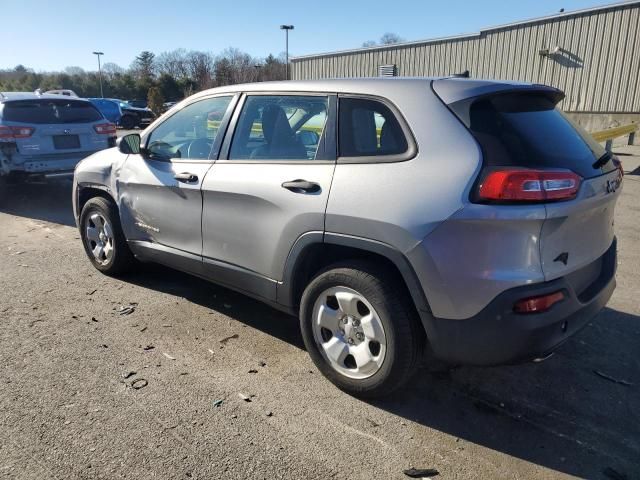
(369,43)
(200,66)
(174,63)
(390,38)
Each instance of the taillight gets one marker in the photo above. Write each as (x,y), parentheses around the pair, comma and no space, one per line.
(538,304)
(105,128)
(523,185)
(16,132)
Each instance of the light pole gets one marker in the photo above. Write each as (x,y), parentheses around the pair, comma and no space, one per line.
(286,29)
(99,71)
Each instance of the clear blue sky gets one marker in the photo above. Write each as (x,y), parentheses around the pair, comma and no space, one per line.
(47,35)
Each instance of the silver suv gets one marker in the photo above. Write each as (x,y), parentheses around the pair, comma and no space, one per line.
(48,134)
(470,218)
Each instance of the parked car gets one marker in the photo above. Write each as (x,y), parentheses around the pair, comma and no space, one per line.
(65,92)
(168,105)
(468,216)
(48,134)
(123,114)
(138,103)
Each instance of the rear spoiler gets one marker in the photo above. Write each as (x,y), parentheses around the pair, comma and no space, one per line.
(458,94)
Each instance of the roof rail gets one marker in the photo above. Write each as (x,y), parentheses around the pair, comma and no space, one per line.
(464,74)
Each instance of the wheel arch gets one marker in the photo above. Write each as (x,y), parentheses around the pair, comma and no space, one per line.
(88,191)
(314,251)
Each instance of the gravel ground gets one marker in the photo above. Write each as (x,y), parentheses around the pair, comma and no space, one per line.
(66,412)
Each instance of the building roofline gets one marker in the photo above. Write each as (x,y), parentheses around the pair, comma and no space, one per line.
(554,16)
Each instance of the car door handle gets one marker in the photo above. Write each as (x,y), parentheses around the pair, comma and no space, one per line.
(186,177)
(301,186)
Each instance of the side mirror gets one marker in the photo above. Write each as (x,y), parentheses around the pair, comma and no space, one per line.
(129,144)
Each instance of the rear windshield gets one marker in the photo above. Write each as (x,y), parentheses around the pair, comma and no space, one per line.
(526,130)
(50,111)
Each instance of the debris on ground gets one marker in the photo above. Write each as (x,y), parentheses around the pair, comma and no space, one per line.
(148,347)
(230,337)
(210,351)
(262,363)
(614,474)
(613,379)
(92,292)
(128,310)
(217,403)
(244,397)
(373,423)
(269,414)
(143,329)
(126,375)
(94,319)
(168,356)
(253,370)
(139,383)
(421,472)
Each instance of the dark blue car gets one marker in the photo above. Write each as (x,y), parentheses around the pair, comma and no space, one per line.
(122,113)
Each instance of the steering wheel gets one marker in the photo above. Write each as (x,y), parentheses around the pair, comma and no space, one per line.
(200,148)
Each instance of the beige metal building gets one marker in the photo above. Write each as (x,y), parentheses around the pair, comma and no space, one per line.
(592,54)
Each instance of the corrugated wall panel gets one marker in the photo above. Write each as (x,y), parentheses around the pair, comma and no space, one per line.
(598,65)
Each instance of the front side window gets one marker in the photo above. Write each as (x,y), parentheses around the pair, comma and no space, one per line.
(280,127)
(368,128)
(191,132)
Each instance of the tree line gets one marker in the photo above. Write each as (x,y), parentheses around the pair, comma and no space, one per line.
(172,75)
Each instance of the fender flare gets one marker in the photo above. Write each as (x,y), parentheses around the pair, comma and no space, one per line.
(285,290)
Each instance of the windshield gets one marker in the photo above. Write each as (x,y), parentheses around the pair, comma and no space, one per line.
(50,111)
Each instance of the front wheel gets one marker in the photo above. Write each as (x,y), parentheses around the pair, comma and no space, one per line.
(360,330)
(102,237)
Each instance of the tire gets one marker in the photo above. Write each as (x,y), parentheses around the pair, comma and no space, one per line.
(3,189)
(102,237)
(128,122)
(384,367)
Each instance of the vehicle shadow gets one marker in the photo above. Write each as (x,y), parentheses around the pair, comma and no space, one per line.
(559,414)
(48,201)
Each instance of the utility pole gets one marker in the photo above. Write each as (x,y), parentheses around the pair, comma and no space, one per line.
(286,29)
(99,71)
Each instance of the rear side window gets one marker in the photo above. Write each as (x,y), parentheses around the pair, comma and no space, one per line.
(526,130)
(368,128)
(50,111)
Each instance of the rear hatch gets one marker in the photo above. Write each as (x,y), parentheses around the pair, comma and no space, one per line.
(55,127)
(519,126)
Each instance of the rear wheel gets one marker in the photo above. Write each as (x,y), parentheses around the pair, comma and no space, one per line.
(360,330)
(102,237)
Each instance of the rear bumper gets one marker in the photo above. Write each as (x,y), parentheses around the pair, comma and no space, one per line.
(46,165)
(498,335)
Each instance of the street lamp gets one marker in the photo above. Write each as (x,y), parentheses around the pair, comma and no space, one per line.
(99,71)
(286,29)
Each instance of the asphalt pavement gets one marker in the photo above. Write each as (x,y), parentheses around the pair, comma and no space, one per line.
(148,376)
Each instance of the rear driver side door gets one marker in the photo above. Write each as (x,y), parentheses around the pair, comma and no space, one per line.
(269,187)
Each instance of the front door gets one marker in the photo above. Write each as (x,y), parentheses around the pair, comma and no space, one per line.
(269,187)
(161,187)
